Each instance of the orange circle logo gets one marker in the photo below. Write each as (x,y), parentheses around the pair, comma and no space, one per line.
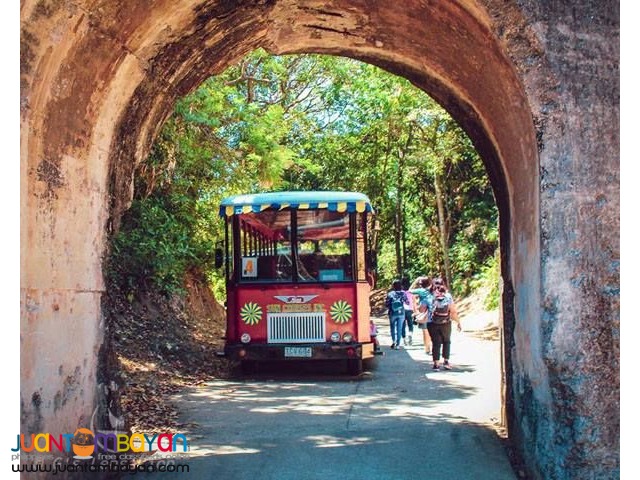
(83,443)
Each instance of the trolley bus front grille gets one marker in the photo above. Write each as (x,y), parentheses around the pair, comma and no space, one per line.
(295,327)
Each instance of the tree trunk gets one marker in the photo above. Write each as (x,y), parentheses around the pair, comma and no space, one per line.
(401,241)
(398,233)
(442,224)
(404,243)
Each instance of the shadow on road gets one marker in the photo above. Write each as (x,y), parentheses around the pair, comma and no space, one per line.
(307,420)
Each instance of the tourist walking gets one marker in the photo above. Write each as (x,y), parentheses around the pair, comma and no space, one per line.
(395,302)
(421,289)
(409,310)
(443,313)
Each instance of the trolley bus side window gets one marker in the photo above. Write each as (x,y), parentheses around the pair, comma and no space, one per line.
(228,248)
(361,249)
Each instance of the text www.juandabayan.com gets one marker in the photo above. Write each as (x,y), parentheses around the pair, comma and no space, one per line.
(111,467)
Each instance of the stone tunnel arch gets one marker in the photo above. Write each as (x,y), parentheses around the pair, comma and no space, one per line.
(98,79)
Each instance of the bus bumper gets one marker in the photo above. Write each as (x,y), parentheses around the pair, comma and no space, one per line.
(313,351)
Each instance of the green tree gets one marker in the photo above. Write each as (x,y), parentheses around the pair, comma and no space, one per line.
(311,122)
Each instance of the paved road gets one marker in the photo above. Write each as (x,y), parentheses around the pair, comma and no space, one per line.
(397,421)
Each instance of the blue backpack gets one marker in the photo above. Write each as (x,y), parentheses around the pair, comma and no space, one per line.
(397,304)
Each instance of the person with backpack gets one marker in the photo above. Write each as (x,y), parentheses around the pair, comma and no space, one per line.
(422,290)
(443,313)
(395,302)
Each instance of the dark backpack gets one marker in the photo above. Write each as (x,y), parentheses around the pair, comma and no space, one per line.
(441,309)
(397,304)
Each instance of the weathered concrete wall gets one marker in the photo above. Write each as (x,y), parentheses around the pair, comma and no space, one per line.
(63,204)
(577,434)
(535,86)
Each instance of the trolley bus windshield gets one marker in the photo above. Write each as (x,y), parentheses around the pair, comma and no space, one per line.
(321,249)
(296,245)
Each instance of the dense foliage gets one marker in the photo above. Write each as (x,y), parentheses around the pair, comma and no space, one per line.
(311,122)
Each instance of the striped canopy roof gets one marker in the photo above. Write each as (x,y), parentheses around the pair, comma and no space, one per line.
(332,201)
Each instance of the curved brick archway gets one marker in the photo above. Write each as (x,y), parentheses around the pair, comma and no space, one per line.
(99,78)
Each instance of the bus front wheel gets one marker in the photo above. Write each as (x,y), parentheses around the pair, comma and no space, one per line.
(354,366)
(248,367)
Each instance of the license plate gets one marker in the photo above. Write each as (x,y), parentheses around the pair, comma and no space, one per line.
(304,352)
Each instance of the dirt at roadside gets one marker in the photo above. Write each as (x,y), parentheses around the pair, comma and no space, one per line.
(156,346)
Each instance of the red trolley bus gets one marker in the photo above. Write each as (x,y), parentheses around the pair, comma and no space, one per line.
(298,272)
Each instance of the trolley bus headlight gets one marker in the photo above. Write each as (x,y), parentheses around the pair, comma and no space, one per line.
(245,338)
(335,337)
(347,337)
